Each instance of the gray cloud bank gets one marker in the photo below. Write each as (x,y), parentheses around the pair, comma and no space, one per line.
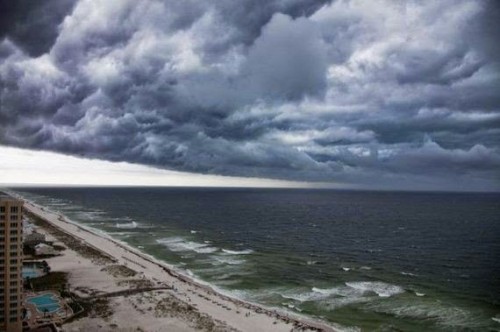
(370,94)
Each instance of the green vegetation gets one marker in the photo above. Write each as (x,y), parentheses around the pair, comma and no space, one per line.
(119,271)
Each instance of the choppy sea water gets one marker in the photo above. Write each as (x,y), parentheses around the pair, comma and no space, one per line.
(386,261)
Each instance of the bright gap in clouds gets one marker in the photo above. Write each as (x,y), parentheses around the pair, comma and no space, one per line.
(29,167)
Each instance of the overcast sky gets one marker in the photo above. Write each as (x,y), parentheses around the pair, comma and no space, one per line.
(364,94)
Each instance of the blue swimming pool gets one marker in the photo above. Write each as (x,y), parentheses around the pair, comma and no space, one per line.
(45,303)
(31,272)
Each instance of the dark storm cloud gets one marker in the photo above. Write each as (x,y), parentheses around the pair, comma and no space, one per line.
(33,24)
(367,94)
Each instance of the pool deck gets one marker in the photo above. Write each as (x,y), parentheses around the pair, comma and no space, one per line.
(36,317)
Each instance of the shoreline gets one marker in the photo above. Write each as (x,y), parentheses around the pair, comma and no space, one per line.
(262,318)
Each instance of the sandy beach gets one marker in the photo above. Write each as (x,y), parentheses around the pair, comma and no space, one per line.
(145,294)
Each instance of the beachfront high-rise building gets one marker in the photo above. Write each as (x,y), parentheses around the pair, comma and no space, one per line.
(11,262)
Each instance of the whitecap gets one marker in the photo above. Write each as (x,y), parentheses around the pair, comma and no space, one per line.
(496,319)
(130,225)
(343,291)
(328,297)
(441,313)
(227,260)
(205,250)
(179,244)
(301,295)
(380,288)
(237,252)
(337,302)
(346,269)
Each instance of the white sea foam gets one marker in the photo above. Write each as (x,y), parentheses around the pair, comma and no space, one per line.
(496,319)
(337,302)
(380,288)
(237,252)
(227,260)
(122,233)
(179,244)
(342,295)
(59,204)
(343,291)
(302,295)
(334,297)
(130,225)
(442,313)
(408,274)
(328,291)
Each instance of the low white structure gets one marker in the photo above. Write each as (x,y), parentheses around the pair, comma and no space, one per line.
(28,227)
(44,249)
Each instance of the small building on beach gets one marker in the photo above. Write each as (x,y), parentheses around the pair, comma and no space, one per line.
(44,249)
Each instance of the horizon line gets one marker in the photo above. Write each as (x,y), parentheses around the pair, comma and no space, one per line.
(322,188)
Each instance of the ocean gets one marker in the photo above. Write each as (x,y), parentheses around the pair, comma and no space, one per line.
(374,261)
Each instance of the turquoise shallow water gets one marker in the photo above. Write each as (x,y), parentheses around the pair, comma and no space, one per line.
(365,260)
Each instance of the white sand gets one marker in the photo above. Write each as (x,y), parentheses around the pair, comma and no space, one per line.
(137,311)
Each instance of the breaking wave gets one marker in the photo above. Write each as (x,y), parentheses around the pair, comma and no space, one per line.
(342,295)
(380,288)
(237,252)
(227,260)
(179,244)
(130,225)
(441,313)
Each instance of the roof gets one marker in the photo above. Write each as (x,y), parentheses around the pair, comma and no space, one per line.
(6,197)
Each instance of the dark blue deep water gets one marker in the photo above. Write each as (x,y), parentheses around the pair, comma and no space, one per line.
(387,261)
